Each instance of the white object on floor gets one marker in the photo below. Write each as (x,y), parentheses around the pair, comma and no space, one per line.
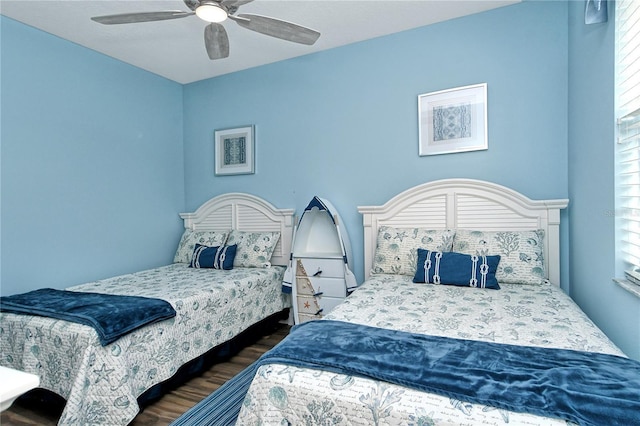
(14,383)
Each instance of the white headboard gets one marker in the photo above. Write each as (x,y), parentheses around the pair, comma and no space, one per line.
(467,204)
(245,212)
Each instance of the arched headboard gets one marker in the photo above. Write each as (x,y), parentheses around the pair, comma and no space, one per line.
(245,212)
(467,204)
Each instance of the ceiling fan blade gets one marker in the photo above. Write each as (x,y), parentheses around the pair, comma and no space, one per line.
(130,18)
(192,4)
(277,28)
(216,41)
(236,3)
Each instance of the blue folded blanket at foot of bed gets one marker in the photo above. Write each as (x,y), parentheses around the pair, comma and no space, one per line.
(112,316)
(585,388)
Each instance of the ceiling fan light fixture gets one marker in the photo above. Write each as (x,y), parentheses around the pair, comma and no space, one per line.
(211,12)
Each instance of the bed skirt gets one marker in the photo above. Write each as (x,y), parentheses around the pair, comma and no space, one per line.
(55,403)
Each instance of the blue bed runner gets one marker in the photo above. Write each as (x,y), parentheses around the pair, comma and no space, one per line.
(112,316)
(585,388)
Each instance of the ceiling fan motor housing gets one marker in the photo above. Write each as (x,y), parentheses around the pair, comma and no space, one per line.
(212,11)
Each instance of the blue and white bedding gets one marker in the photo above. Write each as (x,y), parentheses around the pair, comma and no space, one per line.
(101,383)
(527,315)
(111,315)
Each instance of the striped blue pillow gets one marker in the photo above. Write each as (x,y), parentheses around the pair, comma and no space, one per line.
(213,257)
(450,268)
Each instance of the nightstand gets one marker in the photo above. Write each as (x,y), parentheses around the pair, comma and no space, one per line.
(321,251)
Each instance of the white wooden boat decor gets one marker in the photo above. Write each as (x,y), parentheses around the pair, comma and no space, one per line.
(319,275)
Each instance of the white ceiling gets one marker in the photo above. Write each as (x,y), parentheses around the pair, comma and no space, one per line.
(175,49)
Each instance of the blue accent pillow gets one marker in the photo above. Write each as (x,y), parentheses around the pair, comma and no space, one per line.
(213,257)
(459,269)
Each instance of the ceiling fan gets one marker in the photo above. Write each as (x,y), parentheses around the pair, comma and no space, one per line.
(216,11)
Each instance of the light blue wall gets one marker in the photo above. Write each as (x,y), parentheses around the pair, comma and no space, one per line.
(94,172)
(343,124)
(92,163)
(591,182)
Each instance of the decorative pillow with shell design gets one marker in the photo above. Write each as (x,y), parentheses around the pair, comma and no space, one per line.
(521,252)
(191,238)
(397,248)
(254,248)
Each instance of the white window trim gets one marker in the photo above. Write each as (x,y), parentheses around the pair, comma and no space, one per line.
(627,152)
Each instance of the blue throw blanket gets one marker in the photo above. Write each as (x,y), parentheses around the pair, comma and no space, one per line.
(586,388)
(112,316)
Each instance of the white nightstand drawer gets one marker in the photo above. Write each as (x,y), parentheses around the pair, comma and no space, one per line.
(328,303)
(308,317)
(310,286)
(317,306)
(313,267)
(309,305)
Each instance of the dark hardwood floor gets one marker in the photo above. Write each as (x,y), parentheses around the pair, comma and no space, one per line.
(170,406)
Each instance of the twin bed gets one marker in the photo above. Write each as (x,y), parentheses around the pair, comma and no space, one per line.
(473,219)
(102,384)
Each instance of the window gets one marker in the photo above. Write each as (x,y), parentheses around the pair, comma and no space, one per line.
(627,21)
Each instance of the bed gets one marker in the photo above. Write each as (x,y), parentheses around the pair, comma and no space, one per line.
(102,384)
(529,311)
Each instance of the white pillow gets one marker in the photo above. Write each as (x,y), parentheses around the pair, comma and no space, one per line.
(521,252)
(397,248)
(254,248)
(190,238)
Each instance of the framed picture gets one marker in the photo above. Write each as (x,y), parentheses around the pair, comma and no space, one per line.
(453,120)
(234,151)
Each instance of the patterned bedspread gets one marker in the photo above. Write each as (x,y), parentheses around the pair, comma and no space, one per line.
(101,384)
(531,315)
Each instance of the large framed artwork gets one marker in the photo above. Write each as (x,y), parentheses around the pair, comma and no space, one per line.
(235,151)
(453,120)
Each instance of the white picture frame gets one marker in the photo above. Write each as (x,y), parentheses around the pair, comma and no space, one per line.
(453,120)
(234,151)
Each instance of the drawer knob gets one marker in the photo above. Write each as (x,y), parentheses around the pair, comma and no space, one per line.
(318,273)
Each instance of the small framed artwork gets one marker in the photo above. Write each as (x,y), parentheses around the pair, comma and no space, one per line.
(235,151)
(453,120)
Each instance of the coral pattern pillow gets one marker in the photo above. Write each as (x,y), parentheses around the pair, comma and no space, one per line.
(191,238)
(397,248)
(254,248)
(521,252)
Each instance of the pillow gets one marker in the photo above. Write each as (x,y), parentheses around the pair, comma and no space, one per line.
(450,268)
(397,248)
(189,240)
(254,248)
(213,257)
(521,252)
